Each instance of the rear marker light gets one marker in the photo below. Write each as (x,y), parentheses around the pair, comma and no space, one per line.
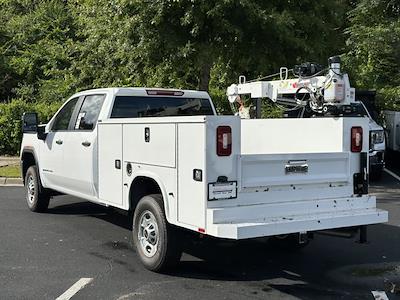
(224,141)
(356,139)
(201,230)
(164,93)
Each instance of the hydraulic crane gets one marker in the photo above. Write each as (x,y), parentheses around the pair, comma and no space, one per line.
(314,89)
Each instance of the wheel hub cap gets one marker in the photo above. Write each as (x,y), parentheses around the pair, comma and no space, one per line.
(148,233)
(31,189)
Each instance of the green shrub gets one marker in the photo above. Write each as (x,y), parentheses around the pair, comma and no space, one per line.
(220,101)
(46,110)
(11,125)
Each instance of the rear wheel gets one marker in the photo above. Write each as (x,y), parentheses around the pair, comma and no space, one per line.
(157,243)
(36,198)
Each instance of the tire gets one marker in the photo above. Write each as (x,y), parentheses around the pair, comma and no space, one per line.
(156,242)
(36,197)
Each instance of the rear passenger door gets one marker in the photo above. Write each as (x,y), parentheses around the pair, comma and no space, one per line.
(80,150)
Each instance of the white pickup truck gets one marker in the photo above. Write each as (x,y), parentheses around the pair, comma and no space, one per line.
(165,156)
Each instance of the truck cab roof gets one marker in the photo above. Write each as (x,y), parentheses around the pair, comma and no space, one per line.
(144,91)
(179,100)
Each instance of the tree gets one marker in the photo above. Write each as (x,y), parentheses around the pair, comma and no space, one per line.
(38,48)
(50,49)
(104,47)
(57,47)
(184,42)
(374,49)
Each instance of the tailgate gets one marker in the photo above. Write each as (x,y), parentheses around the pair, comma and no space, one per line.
(273,178)
(291,170)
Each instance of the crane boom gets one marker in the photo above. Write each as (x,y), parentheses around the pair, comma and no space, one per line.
(328,93)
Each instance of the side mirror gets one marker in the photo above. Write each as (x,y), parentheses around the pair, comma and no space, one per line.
(41,132)
(29,122)
(30,125)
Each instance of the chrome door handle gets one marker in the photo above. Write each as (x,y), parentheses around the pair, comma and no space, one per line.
(86,144)
(59,142)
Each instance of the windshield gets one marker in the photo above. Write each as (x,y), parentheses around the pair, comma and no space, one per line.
(139,107)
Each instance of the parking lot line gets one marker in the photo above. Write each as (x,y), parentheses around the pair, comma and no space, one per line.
(76,287)
(392,173)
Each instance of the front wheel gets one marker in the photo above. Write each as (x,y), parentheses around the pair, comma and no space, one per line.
(157,243)
(36,198)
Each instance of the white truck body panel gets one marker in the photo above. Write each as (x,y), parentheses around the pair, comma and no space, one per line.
(110,176)
(267,197)
(160,151)
(50,154)
(79,169)
(190,196)
(281,136)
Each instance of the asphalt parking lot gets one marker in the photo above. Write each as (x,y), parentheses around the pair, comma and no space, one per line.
(43,255)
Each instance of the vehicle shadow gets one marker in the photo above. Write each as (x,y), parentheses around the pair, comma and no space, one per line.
(328,268)
(305,273)
(85,208)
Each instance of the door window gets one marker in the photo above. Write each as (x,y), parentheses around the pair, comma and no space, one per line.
(63,118)
(89,112)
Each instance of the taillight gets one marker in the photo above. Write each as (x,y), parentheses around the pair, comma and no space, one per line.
(356,139)
(224,141)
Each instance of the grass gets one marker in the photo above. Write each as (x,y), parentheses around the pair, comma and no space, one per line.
(367,272)
(13,171)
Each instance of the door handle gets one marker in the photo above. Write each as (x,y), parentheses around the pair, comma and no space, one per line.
(59,142)
(147,134)
(86,144)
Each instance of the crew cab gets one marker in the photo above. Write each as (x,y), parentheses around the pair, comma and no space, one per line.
(168,158)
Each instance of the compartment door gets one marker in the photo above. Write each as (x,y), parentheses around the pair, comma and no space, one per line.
(150,144)
(191,193)
(110,163)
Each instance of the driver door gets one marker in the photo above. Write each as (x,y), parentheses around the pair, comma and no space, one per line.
(80,151)
(52,149)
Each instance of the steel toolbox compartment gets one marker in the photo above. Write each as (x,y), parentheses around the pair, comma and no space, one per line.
(275,177)
(293,176)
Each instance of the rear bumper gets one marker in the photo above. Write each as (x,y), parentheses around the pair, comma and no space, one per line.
(285,225)
(359,211)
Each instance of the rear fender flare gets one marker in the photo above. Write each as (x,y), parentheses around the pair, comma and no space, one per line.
(160,184)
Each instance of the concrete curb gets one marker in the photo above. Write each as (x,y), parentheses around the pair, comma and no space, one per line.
(5,181)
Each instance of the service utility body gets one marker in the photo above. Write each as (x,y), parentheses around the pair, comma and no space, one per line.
(166,157)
